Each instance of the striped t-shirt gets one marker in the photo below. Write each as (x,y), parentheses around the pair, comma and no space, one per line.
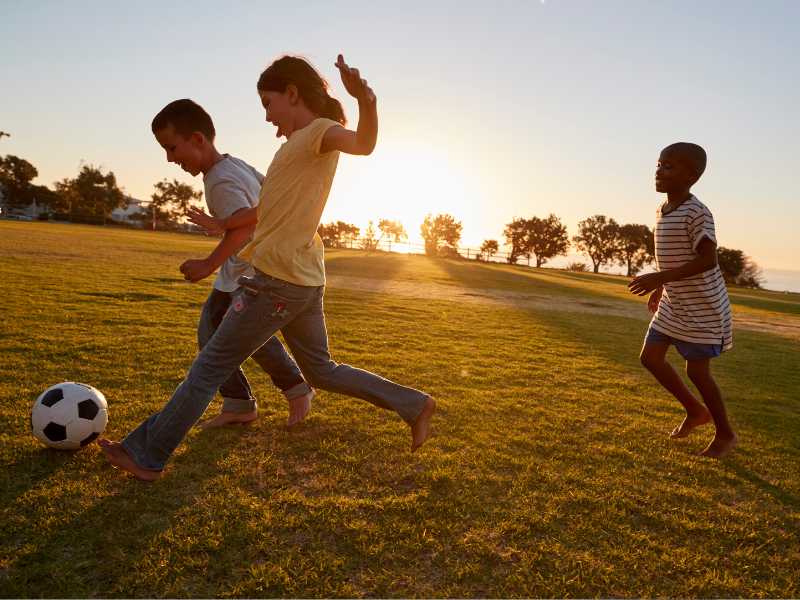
(694,309)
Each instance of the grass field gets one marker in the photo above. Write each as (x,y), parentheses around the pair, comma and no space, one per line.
(549,472)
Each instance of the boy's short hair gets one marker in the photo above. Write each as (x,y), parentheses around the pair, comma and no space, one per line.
(186,116)
(692,153)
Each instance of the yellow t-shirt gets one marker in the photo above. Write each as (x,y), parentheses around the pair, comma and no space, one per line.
(285,243)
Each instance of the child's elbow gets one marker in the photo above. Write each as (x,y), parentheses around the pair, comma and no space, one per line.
(365,149)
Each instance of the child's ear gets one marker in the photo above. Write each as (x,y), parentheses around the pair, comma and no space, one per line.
(198,139)
(292,94)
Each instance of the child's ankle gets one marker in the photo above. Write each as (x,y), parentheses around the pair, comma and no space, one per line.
(724,433)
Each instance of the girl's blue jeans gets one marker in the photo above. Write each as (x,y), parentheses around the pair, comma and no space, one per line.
(237,396)
(255,315)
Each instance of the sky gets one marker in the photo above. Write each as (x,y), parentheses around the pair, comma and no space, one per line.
(488,111)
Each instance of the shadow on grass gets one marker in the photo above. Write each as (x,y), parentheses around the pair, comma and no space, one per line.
(757,380)
(90,551)
(162,280)
(32,469)
(482,275)
(125,296)
(743,472)
(365,264)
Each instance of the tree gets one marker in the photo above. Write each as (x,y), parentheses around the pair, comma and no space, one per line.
(516,234)
(546,238)
(16,175)
(489,248)
(171,200)
(348,233)
(338,234)
(731,263)
(635,247)
(369,242)
(392,230)
(91,196)
(598,239)
(751,276)
(441,230)
(328,233)
(44,196)
(738,268)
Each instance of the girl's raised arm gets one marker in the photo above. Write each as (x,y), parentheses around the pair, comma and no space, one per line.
(362,141)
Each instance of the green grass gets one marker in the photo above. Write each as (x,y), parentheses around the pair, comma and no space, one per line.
(549,473)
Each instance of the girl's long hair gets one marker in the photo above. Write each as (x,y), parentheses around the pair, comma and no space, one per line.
(312,87)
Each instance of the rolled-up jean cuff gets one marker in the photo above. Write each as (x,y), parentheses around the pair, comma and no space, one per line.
(411,417)
(238,405)
(301,389)
(137,457)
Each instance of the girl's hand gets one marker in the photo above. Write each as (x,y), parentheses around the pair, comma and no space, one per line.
(655,299)
(212,225)
(353,83)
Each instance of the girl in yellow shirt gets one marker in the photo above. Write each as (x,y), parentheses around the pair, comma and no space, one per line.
(287,254)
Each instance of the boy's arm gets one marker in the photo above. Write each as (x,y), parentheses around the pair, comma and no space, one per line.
(195,270)
(706,259)
(361,141)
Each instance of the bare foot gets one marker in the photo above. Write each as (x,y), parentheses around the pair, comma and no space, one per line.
(119,458)
(299,408)
(690,423)
(720,446)
(421,428)
(230,418)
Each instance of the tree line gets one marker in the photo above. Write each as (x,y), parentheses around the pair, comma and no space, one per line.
(93,195)
(600,238)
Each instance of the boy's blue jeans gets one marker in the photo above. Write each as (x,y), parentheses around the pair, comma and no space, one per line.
(237,396)
(297,312)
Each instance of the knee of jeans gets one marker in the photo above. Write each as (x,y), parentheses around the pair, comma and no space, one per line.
(321,376)
(200,373)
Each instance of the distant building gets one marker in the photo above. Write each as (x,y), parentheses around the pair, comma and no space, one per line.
(29,212)
(135,212)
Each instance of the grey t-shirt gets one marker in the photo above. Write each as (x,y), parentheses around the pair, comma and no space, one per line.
(231,184)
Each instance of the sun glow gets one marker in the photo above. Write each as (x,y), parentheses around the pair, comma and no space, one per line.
(402,183)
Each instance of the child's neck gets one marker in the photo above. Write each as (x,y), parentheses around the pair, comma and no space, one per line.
(675,199)
(212,157)
(303,118)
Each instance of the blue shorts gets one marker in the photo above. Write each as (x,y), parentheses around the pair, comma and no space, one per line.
(688,350)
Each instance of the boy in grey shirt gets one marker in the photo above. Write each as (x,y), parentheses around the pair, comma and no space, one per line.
(186,133)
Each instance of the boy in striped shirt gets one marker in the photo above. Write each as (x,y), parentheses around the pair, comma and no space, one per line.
(688,299)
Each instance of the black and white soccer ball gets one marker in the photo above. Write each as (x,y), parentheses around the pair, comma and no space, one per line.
(69,415)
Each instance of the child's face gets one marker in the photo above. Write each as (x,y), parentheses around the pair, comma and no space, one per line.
(279,107)
(674,173)
(184,152)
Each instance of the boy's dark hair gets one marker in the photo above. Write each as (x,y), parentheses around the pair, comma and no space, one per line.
(186,117)
(312,87)
(692,153)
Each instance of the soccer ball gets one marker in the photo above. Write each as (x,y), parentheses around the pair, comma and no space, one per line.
(69,415)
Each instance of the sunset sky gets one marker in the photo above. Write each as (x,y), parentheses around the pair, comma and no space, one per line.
(487,110)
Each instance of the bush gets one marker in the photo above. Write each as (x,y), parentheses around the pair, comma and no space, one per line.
(449,252)
(578,267)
